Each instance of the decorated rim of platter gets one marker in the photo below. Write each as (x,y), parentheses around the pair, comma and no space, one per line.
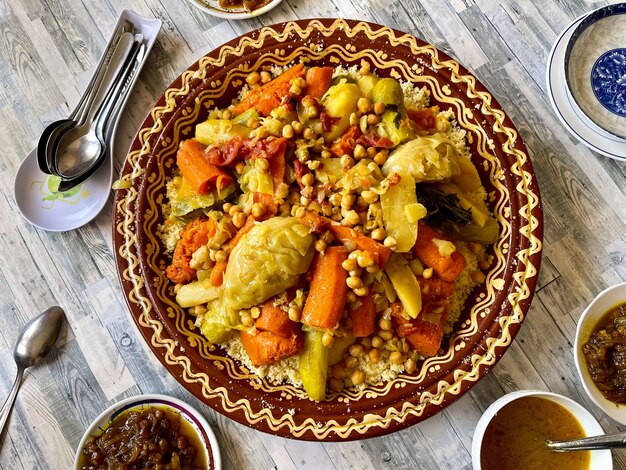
(483,333)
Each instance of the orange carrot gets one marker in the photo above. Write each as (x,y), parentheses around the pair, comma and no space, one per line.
(197,171)
(447,268)
(250,222)
(327,292)
(271,207)
(435,289)
(269,96)
(217,273)
(423,335)
(319,223)
(267,348)
(346,143)
(275,320)
(364,317)
(318,81)
(196,233)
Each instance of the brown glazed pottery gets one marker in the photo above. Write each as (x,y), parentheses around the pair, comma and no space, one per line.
(493,312)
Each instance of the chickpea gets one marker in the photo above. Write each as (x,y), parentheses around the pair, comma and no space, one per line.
(380,158)
(374,355)
(346,162)
(335,199)
(313,164)
(352,218)
(197,310)
(386,335)
(351,297)
(328,236)
(351,362)
(478,277)
(246,318)
(356,350)
(308,179)
(372,119)
(294,314)
(484,265)
(239,219)
(365,260)
(357,377)
(369,197)
(220,256)
(354,282)
(308,133)
(255,312)
(396,357)
(320,245)
(299,212)
(390,242)
(326,154)
(359,152)
(371,151)
(258,209)
(362,291)
(253,123)
(354,118)
(304,201)
(253,78)
(379,234)
(379,108)
(288,132)
(377,342)
(328,340)
(347,200)
(356,272)
(427,273)
(265,77)
(349,265)
(363,105)
(226,114)
(385,324)
(410,365)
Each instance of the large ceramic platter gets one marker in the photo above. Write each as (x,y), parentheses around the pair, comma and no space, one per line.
(493,313)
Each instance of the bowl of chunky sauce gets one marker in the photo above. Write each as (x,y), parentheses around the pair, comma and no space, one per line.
(512,434)
(600,351)
(149,431)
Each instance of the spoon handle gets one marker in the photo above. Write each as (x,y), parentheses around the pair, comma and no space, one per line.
(8,404)
(610,441)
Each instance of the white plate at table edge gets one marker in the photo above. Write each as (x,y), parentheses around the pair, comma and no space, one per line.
(583,129)
(61,212)
(234,14)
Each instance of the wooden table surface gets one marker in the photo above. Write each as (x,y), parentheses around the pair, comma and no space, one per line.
(48,49)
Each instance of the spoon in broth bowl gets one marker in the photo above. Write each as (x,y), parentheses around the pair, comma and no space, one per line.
(34,342)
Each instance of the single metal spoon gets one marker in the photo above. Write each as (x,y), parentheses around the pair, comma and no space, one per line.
(33,344)
(609,441)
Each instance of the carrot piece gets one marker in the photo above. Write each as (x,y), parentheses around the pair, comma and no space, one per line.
(267,348)
(327,292)
(250,222)
(217,273)
(196,169)
(364,317)
(196,233)
(315,222)
(269,96)
(380,252)
(275,320)
(318,81)
(271,207)
(346,143)
(319,223)
(447,268)
(435,289)
(423,335)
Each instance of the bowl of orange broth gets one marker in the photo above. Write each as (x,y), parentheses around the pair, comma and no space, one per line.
(512,432)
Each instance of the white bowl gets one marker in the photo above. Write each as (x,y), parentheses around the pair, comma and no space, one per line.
(600,459)
(212,8)
(604,302)
(193,417)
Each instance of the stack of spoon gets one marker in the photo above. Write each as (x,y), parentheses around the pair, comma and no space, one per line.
(74,148)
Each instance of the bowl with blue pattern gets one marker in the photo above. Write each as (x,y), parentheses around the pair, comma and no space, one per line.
(595,68)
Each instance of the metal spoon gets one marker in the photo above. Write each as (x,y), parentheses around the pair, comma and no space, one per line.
(53,130)
(107,118)
(76,148)
(610,441)
(33,344)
